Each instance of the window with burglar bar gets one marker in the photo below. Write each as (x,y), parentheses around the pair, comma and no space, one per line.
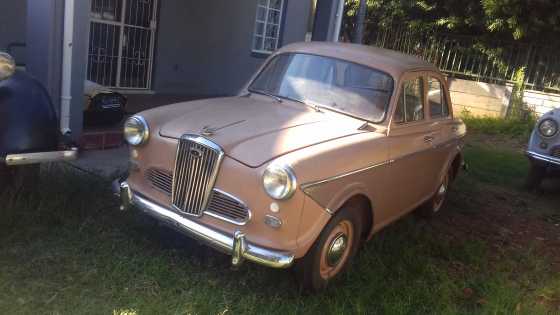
(267,26)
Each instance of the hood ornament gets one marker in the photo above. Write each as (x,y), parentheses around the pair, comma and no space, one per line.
(208,131)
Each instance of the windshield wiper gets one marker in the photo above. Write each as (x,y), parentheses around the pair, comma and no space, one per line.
(275,97)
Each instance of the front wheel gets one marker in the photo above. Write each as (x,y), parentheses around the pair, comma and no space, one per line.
(332,253)
(26,177)
(535,177)
(5,178)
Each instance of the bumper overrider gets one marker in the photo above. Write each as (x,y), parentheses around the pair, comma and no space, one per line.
(41,157)
(543,158)
(235,245)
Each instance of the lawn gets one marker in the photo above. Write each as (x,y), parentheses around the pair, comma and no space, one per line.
(494,250)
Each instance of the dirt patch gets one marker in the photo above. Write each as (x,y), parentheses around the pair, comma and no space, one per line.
(505,220)
(503,142)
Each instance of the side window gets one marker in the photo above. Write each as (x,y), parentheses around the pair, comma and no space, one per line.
(410,106)
(436,99)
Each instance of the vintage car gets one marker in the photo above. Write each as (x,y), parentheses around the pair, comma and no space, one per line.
(326,145)
(544,149)
(29,132)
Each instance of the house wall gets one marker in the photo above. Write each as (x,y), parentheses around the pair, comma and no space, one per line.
(541,102)
(204,47)
(479,98)
(13,25)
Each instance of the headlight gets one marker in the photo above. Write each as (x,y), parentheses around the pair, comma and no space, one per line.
(548,128)
(279,181)
(136,131)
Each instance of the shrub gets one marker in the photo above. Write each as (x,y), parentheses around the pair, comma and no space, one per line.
(514,126)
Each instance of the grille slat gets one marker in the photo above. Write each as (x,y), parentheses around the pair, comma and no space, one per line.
(196,168)
(556,152)
(161,180)
(226,206)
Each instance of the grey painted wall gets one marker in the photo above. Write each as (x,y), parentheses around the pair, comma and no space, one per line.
(44,52)
(204,47)
(13,23)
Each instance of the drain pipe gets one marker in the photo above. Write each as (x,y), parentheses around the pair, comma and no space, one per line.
(66,89)
(338,21)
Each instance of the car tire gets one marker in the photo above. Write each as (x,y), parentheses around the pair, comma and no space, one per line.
(26,177)
(5,178)
(436,202)
(536,175)
(332,253)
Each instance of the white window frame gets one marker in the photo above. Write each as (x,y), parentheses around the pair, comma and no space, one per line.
(262,37)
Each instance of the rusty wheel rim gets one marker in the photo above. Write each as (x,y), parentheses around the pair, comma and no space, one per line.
(441,194)
(336,250)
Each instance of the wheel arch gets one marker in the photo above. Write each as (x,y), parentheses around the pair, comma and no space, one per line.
(364,204)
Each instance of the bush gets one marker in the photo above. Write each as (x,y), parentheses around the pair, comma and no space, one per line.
(514,127)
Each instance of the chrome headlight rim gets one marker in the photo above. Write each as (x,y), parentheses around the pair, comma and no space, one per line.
(140,121)
(290,183)
(554,123)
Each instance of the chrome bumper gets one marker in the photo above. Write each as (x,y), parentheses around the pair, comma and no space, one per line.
(41,157)
(543,158)
(235,245)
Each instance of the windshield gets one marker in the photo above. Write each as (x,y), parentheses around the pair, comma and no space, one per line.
(327,82)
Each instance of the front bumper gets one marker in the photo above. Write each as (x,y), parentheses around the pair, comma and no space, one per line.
(41,157)
(235,245)
(543,158)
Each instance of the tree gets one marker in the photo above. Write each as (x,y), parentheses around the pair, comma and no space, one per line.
(522,20)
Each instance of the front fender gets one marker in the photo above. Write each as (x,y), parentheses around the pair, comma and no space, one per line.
(28,122)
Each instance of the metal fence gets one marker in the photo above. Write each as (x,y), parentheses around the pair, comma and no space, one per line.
(473,58)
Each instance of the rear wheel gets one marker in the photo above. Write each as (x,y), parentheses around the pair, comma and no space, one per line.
(434,205)
(333,251)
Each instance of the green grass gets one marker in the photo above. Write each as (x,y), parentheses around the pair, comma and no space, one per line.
(513,127)
(68,250)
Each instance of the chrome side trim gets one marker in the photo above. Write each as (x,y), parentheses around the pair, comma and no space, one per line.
(542,157)
(41,157)
(330,179)
(235,245)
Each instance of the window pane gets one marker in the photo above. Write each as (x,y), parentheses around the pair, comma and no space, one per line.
(434,98)
(399,111)
(276,4)
(261,14)
(272,31)
(413,99)
(259,31)
(274,17)
(269,44)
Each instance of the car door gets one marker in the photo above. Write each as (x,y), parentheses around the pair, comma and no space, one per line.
(412,135)
(442,118)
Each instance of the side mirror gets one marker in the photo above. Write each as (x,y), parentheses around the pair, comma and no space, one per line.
(7,66)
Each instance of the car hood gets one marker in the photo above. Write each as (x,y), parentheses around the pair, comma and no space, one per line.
(254,130)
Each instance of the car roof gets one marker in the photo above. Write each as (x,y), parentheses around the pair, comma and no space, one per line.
(390,61)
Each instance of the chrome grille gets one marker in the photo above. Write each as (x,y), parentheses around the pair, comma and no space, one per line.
(160,179)
(196,168)
(556,152)
(228,208)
